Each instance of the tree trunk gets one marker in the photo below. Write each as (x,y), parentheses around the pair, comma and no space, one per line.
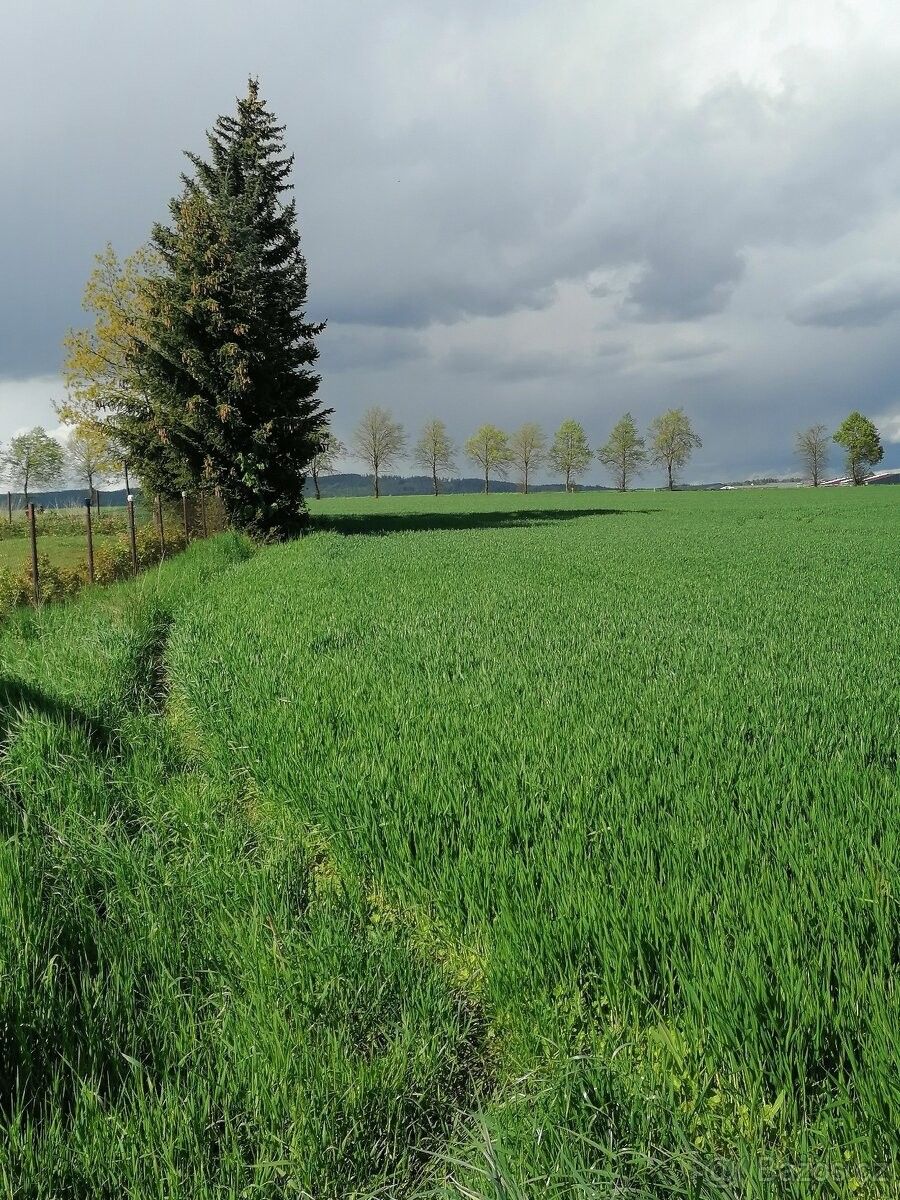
(487,482)
(127,480)
(526,479)
(568,479)
(671,480)
(377,485)
(315,475)
(434,477)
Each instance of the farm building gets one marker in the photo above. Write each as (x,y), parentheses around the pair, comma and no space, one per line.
(891,476)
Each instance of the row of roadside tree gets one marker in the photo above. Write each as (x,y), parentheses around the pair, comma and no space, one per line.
(380,441)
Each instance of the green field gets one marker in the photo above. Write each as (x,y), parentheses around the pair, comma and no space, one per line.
(61,536)
(62,549)
(478,847)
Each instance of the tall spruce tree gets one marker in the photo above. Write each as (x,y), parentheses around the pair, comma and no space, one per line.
(226,349)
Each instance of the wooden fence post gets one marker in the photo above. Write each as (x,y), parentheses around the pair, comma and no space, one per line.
(184,513)
(35,573)
(134,558)
(203,514)
(90,541)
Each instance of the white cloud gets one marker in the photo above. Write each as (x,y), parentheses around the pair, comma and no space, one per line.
(25,403)
(889,427)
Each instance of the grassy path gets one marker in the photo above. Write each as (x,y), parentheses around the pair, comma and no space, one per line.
(192,1003)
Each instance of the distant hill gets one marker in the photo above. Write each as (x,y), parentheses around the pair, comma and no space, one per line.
(69,498)
(420,485)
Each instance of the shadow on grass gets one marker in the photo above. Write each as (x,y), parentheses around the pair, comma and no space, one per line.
(379,524)
(16,697)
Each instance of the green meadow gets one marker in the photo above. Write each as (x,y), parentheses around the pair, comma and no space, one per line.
(476,847)
(61,536)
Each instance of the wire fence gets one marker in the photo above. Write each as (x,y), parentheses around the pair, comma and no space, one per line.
(49,552)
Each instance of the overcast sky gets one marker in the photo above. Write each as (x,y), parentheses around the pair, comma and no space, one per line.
(510,210)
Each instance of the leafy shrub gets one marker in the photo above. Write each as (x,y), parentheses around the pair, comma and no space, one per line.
(15,588)
(57,583)
(112,562)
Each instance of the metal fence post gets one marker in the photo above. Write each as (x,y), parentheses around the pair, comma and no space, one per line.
(134,558)
(35,573)
(90,540)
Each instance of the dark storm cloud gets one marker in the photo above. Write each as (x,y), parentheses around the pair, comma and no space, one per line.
(684,282)
(610,349)
(688,352)
(511,368)
(354,347)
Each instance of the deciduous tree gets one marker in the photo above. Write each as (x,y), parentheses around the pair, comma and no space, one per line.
(33,459)
(859,437)
(90,454)
(811,446)
(378,441)
(623,452)
(527,446)
(672,442)
(108,389)
(325,459)
(101,370)
(488,448)
(570,454)
(435,451)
